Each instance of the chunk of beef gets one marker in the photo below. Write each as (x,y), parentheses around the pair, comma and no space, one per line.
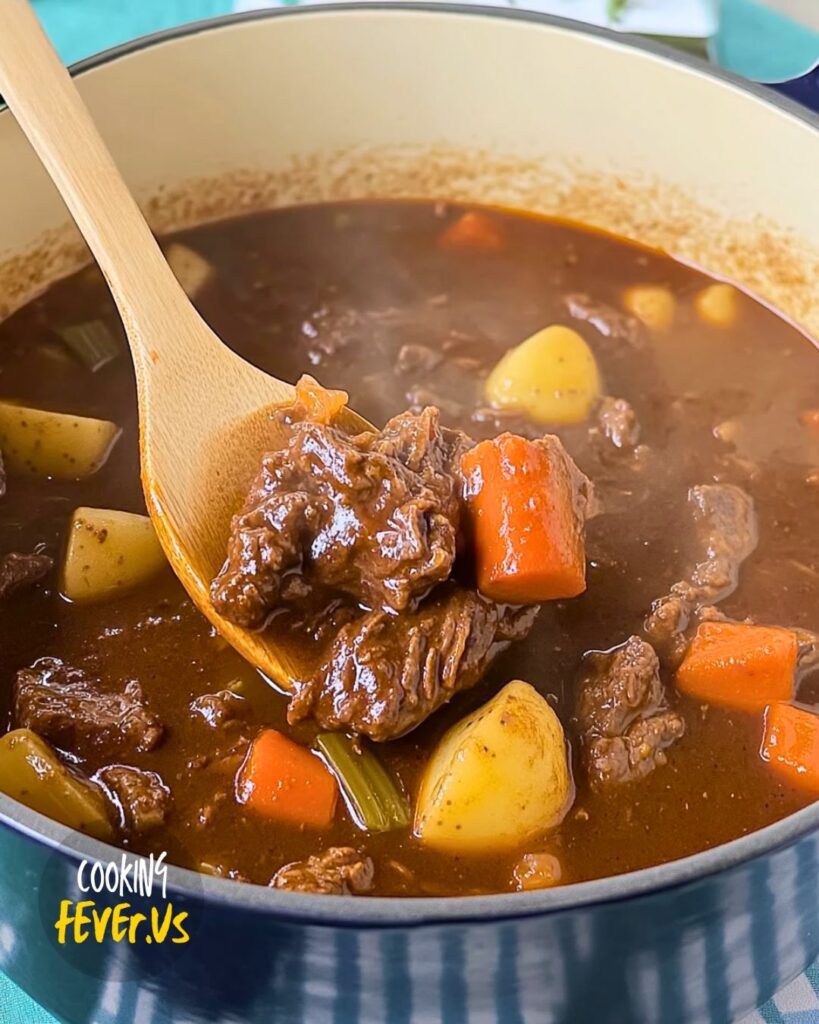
(386,674)
(639,751)
(710,613)
(375,516)
(77,713)
(607,320)
(141,797)
(619,686)
(20,571)
(2,476)
(420,397)
(624,722)
(338,871)
(330,329)
(726,527)
(412,358)
(218,708)
(617,422)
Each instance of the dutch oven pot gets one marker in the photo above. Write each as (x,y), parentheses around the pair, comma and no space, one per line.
(444,102)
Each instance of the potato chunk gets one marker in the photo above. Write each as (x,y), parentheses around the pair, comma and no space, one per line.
(31,772)
(191,270)
(552,377)
(718,305)
(42,443)
(653,304)
(497,778)
(108,552)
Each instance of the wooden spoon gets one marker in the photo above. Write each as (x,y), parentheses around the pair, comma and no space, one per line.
(204,413)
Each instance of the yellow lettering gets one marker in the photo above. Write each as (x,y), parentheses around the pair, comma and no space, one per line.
(177,923)
(76,917)
(64,920)
(100,923)
(119,927)
(136,920)
(160,932)
(80,919)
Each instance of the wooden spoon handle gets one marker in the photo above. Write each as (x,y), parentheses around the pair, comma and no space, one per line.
(56,121)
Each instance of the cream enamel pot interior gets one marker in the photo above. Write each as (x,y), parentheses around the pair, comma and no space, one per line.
(453,103)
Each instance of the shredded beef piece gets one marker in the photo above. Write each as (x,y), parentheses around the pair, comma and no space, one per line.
(338,871)
(607,320)
(218,708)
(729,525)
(19,571)
(624,722)
(617,421)
(329,330)
(726,525)
(386,674)
(140,797)
(635,754)
(412,358)
(419,397)
(77,713)
(669,618)
(375,516)
(619,686)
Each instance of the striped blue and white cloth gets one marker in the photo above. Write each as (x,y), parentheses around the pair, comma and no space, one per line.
(798,1003)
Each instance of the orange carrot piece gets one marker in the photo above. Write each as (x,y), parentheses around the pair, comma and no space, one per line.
(739,665)
(791,744)
(526,528)
(473,230)
(321,404)
(284,781)
(810,419)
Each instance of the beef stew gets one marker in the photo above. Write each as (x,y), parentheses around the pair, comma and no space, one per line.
(689,406)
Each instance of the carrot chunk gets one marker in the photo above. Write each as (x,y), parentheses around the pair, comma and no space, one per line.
(790,744)
(739,665)
(284,781)
(321,404)
(810,419)
(525,520)
(473,230)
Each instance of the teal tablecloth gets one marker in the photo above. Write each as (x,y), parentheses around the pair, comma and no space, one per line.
(752,41)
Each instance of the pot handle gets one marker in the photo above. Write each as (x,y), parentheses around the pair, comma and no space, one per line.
(804,89)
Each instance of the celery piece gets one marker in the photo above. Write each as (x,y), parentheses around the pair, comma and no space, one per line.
(371,792)
(92,343)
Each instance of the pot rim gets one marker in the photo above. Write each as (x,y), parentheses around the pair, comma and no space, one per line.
(396,911)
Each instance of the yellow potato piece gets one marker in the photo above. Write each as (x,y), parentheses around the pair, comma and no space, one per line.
(552,377)
(108,552)
(42,443)
(191,270)
(31,772)
(651,303)
(497,778)
(718,305)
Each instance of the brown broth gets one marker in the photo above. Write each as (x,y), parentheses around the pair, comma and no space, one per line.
(336,290)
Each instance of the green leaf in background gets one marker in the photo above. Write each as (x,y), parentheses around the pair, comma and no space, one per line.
(615,9)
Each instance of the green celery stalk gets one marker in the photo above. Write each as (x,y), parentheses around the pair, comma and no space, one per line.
(372,794)
(92,343)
